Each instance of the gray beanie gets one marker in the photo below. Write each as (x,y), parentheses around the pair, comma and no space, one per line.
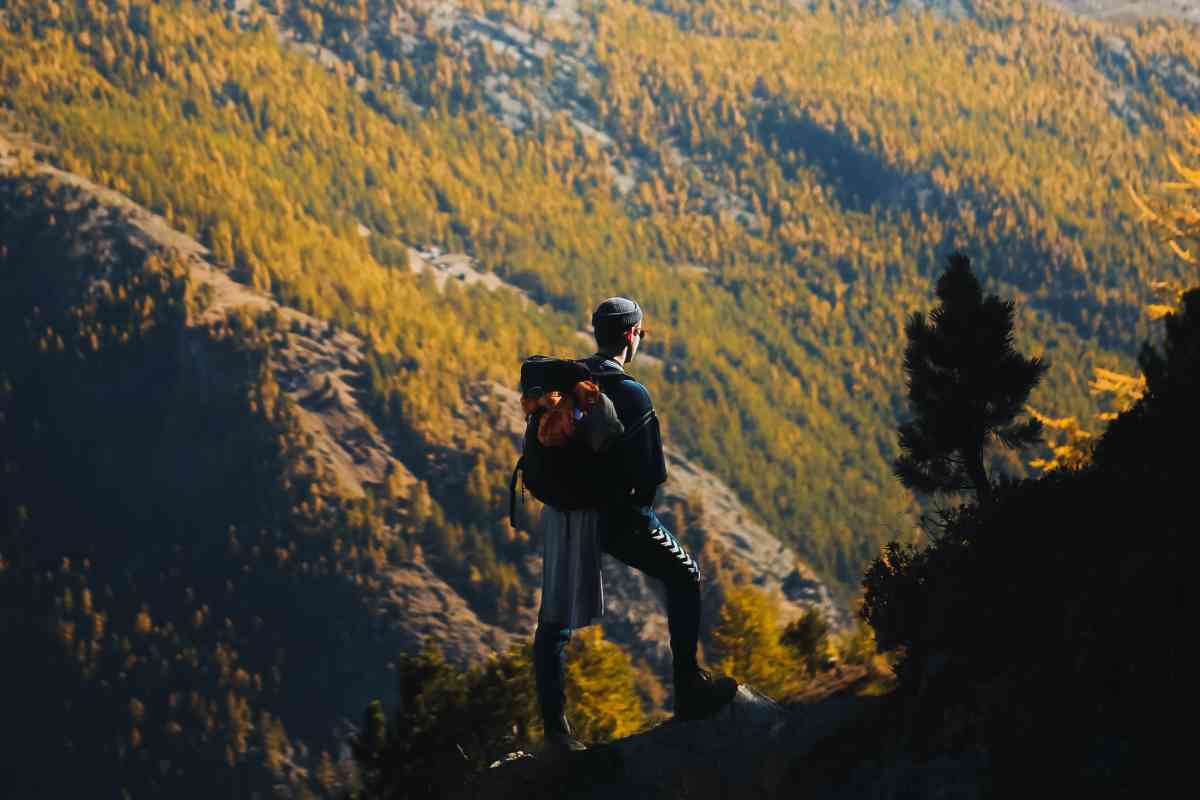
(613,316)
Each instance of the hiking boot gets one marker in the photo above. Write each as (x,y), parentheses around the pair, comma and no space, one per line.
(559,743)
(560,740)
(698,695)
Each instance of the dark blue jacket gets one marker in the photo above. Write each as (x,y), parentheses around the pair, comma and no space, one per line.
(636,465)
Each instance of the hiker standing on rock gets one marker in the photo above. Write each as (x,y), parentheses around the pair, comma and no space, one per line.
(609,510)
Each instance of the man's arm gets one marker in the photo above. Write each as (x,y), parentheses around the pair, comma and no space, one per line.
(640,454)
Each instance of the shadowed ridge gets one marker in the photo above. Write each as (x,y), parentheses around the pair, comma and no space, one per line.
(659,762)
(838,740)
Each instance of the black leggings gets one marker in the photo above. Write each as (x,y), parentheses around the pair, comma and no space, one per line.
(638,539)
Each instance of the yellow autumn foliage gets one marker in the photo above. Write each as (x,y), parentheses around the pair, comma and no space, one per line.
(746,644)
(1070,444)
(602,693)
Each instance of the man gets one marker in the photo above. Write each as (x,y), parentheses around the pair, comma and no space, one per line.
(626,528)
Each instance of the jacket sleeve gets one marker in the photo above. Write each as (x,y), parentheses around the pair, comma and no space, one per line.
(641,463)
(601,426)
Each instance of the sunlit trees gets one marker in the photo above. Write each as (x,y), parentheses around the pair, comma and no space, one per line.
(1178,218)
(542,209)
(746,643)
(602,698)
(1071,447)
(751,208)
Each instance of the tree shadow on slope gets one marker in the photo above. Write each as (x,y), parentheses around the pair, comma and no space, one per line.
(1049,268)
(860,180)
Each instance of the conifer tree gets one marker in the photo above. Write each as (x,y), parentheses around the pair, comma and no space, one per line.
(966,384)
(602,698)
(808,638)
(449,724)
(746,643)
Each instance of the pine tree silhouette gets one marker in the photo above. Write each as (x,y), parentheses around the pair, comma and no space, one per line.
(966,384)
(1175,371)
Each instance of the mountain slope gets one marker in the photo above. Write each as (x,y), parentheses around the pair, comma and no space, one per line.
(270,541)
(774,182)
(797,214)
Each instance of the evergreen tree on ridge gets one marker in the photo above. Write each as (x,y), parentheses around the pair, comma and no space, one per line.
(966,384)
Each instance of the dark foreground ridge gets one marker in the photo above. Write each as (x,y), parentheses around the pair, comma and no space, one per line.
(656,762)
(836,742)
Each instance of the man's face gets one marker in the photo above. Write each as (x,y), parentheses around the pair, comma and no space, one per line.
(635,339)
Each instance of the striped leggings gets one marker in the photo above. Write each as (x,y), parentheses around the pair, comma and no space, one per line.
(636,538)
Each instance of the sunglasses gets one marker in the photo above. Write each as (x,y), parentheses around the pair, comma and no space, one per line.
(641,333)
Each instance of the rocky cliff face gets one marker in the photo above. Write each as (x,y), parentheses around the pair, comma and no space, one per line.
(1124,10)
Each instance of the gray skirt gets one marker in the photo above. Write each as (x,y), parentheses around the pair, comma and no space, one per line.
(572,584)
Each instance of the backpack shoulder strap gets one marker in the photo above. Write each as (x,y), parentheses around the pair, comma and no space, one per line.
(601,372)
(512,493)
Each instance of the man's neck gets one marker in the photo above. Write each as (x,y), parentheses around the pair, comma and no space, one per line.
(619,358)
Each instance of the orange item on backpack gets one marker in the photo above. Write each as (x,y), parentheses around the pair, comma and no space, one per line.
(557,425)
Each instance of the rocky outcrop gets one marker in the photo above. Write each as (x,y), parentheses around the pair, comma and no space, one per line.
(459,267)
(835,744)
(1125,10)
(416,602)
(671,760)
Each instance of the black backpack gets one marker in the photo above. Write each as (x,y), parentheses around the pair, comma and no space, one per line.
(567,477)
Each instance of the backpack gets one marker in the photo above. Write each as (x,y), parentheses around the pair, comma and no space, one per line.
(570,423)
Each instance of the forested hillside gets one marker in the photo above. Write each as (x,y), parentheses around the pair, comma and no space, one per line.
(774,182)
(191,484)
(172,571)
(782,176)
